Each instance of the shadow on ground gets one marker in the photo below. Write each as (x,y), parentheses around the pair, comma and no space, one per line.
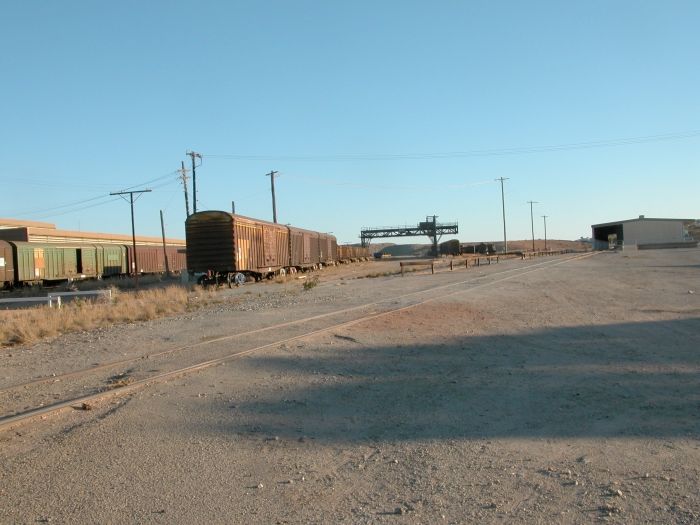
(633,379)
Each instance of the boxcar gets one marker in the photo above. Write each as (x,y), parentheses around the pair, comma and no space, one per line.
(349,253)
(177,258)
(304,250)
(112,259)
(232,247)
(150,259)
(35,263)
(327,254)
(86,259)
(7,265)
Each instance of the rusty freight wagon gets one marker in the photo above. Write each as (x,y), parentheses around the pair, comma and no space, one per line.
(328,249)
(304,249)
(152,259)
(348,253)
(231,248)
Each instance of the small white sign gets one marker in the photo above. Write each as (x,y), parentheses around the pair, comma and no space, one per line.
(2,262)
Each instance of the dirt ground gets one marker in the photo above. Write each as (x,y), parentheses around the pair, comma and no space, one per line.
(557,390)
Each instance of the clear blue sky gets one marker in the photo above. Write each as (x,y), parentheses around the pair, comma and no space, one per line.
(374,113)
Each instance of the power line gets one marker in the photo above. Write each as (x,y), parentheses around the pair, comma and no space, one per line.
(272,176)
(495,152)
(393,187)
(135,268)
(194,156)
(76,203)
(532,224)
(43,212)
(503,207)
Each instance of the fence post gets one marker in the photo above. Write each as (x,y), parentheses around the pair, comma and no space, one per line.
(432,268)
(401,269)
(451,261)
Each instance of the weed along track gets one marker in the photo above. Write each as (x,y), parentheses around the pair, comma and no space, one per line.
(82,388)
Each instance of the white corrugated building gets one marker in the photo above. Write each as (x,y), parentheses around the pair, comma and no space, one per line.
(643,233)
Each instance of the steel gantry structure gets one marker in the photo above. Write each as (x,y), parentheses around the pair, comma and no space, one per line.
(433,229)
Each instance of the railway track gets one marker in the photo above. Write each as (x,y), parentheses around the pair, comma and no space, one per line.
(367,311)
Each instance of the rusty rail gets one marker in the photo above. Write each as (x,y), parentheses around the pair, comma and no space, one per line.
(542,253)
(419,263)
(475,261)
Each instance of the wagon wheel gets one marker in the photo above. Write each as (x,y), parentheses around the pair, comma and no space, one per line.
(282,272)
(239,279)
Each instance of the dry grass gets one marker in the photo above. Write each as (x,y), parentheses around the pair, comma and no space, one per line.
(310,284)
(27,326)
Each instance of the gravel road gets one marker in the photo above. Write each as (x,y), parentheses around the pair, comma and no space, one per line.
(555,390)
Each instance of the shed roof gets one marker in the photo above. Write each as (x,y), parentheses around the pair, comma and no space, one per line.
(52,235)
(640,219)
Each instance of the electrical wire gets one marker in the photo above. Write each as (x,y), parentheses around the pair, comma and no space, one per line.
(38,213)
(78,209)
(468,153)
(324,182)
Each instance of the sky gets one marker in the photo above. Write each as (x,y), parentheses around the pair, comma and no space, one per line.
(372,113)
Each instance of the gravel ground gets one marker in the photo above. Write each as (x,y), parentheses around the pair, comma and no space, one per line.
(565,393)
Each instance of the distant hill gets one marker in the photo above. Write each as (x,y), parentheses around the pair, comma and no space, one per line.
(407,250)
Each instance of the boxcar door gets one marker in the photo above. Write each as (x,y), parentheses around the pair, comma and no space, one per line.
(269,246)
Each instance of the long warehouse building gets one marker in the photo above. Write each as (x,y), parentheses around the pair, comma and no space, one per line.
(643,233)
(31,231)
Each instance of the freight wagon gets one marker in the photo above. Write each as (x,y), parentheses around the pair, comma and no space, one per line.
(225,247)
(25,263)
(352,253)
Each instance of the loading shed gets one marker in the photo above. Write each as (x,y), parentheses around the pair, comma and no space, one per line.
(643,233)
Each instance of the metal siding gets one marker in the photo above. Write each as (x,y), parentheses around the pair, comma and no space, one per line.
(177,258)
(270,246)
(223,242)
(114,257)
(149,258)
(7,267)
(296,247)
(282,246)
(650,231)
(88,259)
(210,242)
(24,260)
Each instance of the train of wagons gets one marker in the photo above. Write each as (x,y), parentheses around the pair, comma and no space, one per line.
(227,248)
(221,248)
(30,263)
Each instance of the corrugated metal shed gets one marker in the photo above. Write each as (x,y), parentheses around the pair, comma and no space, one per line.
(52,235)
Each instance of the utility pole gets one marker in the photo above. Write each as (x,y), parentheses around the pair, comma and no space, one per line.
(532,223)
(135,264)
(165,252)
(272,176)
(503,206)
(183,178)
(233,207)
(545,231)
(194,156)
